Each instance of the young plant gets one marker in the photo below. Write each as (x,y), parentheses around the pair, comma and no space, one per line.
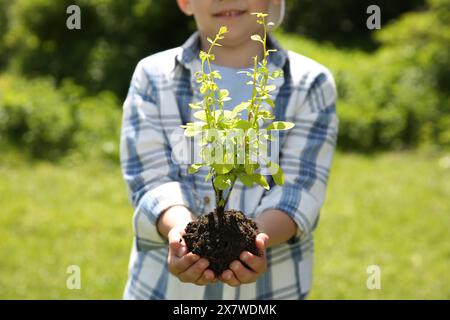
(220,128)
(233,147)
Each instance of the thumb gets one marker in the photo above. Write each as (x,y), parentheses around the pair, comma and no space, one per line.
(177,247)
(262,240)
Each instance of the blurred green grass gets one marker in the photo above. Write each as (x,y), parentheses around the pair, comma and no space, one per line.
(388,209)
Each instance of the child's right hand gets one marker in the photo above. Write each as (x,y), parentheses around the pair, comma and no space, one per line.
(187,267)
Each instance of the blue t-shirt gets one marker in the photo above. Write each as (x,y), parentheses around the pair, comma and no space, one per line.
(236,85)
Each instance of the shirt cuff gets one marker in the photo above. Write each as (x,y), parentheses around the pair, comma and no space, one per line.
(151,206)
(297,203)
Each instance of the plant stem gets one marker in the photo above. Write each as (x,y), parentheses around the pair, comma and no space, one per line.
(250,114)
(229,192)
(220,208)
(265,77)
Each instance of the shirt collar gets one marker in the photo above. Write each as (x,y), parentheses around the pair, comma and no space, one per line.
(191,49)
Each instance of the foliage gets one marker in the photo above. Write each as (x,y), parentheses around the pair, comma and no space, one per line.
(48,122)
(345,19)
(394,97)
(397,97)
(35,116)
(218,145)
(100,56)
(406,98)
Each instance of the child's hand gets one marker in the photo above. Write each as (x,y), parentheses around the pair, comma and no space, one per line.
(187,267)
(239,274)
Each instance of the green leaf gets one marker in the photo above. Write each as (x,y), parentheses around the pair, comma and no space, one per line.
(223,168)
(246,179)
(261,180)
(194,168)
(208,176)
(240,107)
(259,14)
(201,115)
(222,182)
(203,88)
(256,37)
(250,168)
(262,70)
(195,105)
(265,114)
(261,146)
(229,115)
(276,73)
(193,128)
(216,74)
(249,74)
(203,55)
(223,95)
(243,124)
(217,114)
(206,155)
(270,102)
(276,172)
(280,125)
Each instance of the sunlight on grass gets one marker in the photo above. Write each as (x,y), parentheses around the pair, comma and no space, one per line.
(390,210)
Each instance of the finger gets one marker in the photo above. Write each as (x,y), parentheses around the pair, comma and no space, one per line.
(194,272)
(207,277)
(255,263)
(262,240)
(177,250)
(229,278)
(243,274)
(179,265)
(176,244)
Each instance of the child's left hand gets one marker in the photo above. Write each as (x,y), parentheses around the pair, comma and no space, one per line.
(239,274)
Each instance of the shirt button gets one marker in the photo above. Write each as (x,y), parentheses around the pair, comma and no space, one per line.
(206,199)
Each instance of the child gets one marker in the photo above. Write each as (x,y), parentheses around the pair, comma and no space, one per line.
(166,197)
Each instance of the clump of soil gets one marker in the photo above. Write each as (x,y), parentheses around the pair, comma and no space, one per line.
(221,238)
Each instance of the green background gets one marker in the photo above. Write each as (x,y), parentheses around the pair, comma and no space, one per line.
(63,201)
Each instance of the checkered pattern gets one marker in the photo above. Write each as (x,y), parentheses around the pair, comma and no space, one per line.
(162,86)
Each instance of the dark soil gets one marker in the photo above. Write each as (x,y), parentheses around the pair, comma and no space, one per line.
(221,242)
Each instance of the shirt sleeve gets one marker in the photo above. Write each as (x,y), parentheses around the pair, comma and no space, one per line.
(147,167)
(306,157)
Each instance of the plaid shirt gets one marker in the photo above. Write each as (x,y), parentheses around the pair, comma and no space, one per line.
(162,86)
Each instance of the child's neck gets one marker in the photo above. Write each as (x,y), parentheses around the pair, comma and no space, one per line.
(238,56)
